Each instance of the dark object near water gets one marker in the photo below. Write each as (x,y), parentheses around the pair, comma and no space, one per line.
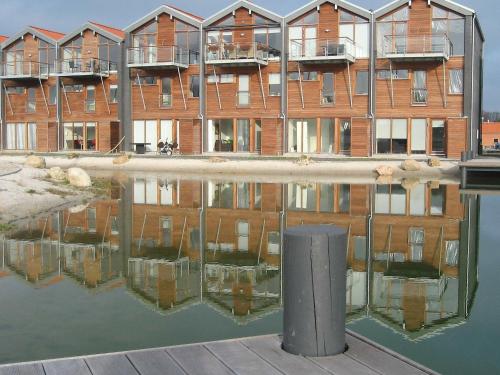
(314,290)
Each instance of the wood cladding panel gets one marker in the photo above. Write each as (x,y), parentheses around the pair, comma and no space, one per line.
(420,18)
(456,136)
(272,137)
(360,137)
(190,136)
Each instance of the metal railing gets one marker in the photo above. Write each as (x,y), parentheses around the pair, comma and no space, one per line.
(236,51)
(22,68)
(157,55)
(165,100)
(317,48)
(88,65)
(419,96)
(417,44)
(243,98)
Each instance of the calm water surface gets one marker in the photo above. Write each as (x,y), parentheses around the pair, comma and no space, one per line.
(163,262)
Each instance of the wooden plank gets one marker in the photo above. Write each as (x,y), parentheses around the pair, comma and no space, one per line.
(115,364)
(270,350)
(240,359)
(343,365)
(67,366)
(378,359)
(197,360)
(29,369)
(154,362)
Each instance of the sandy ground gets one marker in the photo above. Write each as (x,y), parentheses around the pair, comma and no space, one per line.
(25,194)
(282,169)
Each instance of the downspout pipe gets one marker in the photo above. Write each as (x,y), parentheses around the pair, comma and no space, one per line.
(371,101)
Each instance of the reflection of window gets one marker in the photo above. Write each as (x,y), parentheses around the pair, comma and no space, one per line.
(326,198)
(220,195)
(194,239)
(91,219)
(258,195)
(114,225)
(344,197)
(166,231)
(416,242)
(145,191)
(452,248)
(242,232)
(390,199)
(437,201)
(273,242)
(359,248)
(243,195)
(302,197)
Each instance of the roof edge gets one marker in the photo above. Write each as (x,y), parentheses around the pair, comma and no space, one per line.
(341,3)
(245,4)
(163,9)
(93,27)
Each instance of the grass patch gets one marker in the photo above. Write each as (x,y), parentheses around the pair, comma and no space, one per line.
(32,191)
(61,193)
(5,227)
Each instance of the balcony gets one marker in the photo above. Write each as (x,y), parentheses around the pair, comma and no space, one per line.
(83,67)
(237,54)
(24,70)
(158,57)
(321,51)
(417,47)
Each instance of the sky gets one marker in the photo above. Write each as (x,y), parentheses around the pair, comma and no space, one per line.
(67,15)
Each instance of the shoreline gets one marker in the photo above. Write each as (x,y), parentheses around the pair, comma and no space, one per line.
(233,167)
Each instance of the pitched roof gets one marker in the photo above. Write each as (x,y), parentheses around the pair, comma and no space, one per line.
(341,3)
(3,38)
(242,4)
(119,33)
(184,16)
(461,9)
(50,33)
(199,18)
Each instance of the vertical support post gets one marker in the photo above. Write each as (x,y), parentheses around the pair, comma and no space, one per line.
(44,97)
(445,92)
(65,96)
(105,95)
(262,88)
(182,87)
(392,84)
(300,86)
(217,87)
(140,89)
(314,289)
(350,83)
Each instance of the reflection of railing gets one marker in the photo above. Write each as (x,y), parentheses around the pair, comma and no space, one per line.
(22,68)
(236,51)
(417,45)
(419,96)
(243,98)
(158,55)
(341,48)
(165,100)
(83,66)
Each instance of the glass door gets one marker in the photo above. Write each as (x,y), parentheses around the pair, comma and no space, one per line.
(32,136)
(345,137)
(91,139)
(166,131)
(310,41)
(151,136)
(418,136)
(438,137)
(243,135)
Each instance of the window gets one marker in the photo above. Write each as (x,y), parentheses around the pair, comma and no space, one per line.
(227,78)
(392,32)
(31,102)
(80,136)
(194,86)
(310,76)
(73,88)
(113,93)
(52,95)
(452,249)
(270,39)
(21,136)
(354,29)
(91,219)
(274,84)
(327,126)
(187,37)
(345,137)
(362,82)
(327,90)
(419,91)
(46,56)
(302,135)
(145,80)
(456,81)
(390,199)
(258,136)
(437,200)
(452,25)
(293,76)
(166,92)
(392,136)
(109,53)
(221,135)
(243,136)
(14,90)
(396,74)
(90,101)
(418,136)
(438,137)
(243,95)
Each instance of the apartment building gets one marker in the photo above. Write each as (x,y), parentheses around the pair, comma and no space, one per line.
(330,78)
(87,68)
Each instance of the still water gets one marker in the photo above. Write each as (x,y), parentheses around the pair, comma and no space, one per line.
(160,262)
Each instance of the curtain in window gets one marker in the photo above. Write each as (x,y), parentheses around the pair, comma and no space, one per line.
(456,81)
(452,248)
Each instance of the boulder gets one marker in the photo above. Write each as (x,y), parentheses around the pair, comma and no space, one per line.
(57,174)
(35,161)
(384,180)
(410,183)
(410,165)
(434,162)
(304,160)
(79,178)
(122,159)
(433,185)
(384,170)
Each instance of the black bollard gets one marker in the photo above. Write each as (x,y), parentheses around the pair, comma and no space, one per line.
(314,290)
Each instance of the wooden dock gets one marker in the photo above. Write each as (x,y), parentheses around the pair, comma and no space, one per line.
(256,355)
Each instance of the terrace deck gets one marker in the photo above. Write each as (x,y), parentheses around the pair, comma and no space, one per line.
(256,355)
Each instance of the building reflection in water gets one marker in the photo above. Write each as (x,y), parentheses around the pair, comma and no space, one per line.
(412,247)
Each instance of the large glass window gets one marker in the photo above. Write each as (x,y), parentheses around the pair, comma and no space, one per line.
(328,89)
(327,126)
(392,137)
(243,128)
(274,84)
(362,82)
(418,136)
(419,91)
(445,22)
(220,135)
(302,135)
(345,137)
(166,92)
(187,37)
(109,53)
(456,81)
(438,137)
(269,39)
(392,32)
(144,43)
(354,29)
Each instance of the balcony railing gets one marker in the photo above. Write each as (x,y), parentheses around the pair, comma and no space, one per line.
(322,50)
(24,70)
(419,96)
(158,56)
(243,99)
(83,67)
(237,53)
(416,47)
